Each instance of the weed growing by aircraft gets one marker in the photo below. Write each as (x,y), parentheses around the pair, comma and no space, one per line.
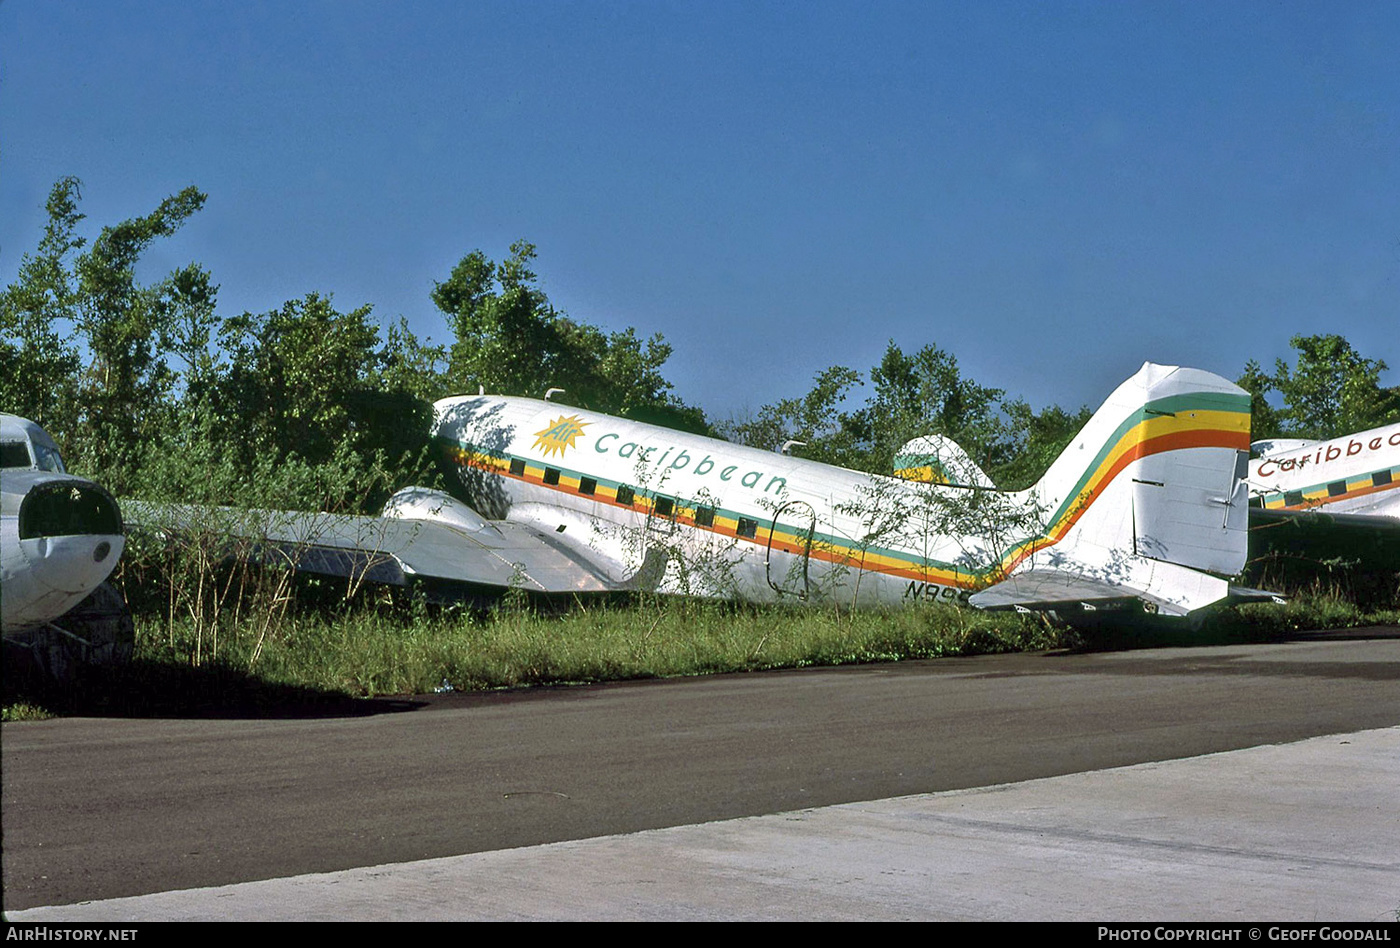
(209,567)
(915,515)
(377,648)
(655,554)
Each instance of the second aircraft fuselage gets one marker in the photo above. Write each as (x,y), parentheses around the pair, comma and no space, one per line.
(1357,473)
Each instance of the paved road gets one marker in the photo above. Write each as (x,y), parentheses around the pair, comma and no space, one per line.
(97,809)
(1216,838)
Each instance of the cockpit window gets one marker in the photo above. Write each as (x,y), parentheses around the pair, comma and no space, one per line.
(48,459)
(14,454)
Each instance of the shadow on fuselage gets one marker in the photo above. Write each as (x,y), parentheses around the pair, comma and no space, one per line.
(478,424)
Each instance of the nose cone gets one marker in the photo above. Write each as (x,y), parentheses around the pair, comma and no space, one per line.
(45,577)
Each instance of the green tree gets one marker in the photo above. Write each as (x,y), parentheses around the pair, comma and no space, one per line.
(510,340)
(294,370)
(926,393)
(1263,418)
(1037,439)
(410,365)
(827,433)
(1331,390)
(38,363)
(127,329)
(915,395)
(84,347)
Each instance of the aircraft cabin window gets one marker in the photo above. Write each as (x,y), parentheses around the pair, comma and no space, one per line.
(587,485)
(665,507)
(747,527)
(14,454)
(624,495)
(551,475)
(704,516)
(1293,498)
(1336,488)
(1380,478)
(517,466)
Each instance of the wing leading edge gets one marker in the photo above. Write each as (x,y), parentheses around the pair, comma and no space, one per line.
(392,550)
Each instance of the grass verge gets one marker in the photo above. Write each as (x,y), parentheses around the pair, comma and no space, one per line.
(317,658)
(375,652)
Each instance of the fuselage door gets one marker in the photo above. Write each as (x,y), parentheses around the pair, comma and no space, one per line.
(790,548)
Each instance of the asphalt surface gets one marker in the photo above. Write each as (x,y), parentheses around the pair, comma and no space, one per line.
(1216,838)
(99,809)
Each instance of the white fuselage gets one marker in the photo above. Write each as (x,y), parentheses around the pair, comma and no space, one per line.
(731,518)
(60,536)
(45,577)
(1355,474)
(1148,499)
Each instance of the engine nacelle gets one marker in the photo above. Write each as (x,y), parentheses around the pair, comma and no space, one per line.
(435,506)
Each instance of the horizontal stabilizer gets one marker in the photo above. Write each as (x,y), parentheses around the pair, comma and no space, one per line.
(1053,588)
(1047,588)
(1246,594)
(1164,588)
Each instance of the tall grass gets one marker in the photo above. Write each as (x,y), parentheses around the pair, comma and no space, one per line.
(377,651)
(324,649)
(1317,608)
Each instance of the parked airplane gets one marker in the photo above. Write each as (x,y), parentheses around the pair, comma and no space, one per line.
(1354,474)
(1319,504)
(1349,482)
(1147,506)
(60,538)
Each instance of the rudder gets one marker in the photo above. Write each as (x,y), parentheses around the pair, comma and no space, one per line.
(1158,475)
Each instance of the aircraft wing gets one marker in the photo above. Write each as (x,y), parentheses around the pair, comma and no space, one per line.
(495,555)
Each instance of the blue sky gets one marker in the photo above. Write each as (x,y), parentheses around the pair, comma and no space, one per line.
(1054,192)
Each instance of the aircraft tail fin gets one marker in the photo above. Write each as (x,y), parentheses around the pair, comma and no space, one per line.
(1149,499)
(936,459)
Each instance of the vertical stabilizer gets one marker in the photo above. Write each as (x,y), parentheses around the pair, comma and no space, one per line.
(937,459)
(1150,498)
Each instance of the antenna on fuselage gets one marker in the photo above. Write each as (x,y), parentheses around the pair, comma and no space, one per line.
(789,445)
(551,392)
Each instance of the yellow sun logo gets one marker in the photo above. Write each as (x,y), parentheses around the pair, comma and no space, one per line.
(561,434)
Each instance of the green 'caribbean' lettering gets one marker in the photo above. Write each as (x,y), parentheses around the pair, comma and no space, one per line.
(680,460)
